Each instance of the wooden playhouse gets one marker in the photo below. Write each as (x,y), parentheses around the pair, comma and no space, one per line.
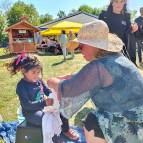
(21,36)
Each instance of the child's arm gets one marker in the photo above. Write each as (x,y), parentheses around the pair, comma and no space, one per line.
(26,103)
(46,89)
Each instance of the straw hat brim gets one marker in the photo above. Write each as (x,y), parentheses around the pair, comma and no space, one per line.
(112,43)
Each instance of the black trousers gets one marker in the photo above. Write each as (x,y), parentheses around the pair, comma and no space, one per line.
(140,48)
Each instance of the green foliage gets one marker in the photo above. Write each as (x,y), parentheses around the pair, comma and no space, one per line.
(61,14)
(90,10)
(2,27)
(32,13)
(86,8)
(45,18)
(21,9)
(81,115)
(97,11)
(133,15)
(72,11)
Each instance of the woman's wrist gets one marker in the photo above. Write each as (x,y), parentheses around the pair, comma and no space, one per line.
(53,84)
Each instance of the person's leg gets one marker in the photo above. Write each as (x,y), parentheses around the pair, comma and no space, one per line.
(35,118)
(65,125)
(69,133)
(64,52)
(92,130)
(139,51)
(72,54)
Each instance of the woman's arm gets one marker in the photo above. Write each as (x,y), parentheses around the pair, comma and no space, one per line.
(74,92)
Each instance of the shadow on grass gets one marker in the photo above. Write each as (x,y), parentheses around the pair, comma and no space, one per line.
(47,54)
(58,63)
(44,54)
(6,56)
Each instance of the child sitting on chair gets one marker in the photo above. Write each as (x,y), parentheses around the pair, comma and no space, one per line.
(31,90)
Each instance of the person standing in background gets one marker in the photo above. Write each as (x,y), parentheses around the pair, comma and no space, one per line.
(139,35)
(63,43)
(71,36)
(118,21)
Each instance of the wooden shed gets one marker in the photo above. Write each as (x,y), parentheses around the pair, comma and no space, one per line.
(21,36)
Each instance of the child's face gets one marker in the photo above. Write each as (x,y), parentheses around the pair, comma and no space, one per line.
(33,75)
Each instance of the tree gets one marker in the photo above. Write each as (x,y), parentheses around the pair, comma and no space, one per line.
(21,9)
(61,14)
(133,14)
(33,15)
(3,25)
(45,18)
(90,10)
(72,11)
(86,8)
(97,11)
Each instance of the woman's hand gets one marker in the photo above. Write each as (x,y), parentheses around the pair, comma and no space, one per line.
(134,27)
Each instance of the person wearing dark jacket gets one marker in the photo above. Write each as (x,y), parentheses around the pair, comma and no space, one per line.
(139,35)
(118,21)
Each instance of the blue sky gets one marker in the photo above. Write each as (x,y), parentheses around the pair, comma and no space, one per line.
(53,6)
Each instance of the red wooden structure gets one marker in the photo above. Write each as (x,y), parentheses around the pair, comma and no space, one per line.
(21,37)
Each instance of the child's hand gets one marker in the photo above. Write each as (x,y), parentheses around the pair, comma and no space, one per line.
(49,101)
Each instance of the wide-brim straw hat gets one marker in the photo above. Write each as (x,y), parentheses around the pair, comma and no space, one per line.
(96,34)
(118,1)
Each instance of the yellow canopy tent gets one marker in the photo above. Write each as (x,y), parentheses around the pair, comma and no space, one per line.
(56,32)
(65,25)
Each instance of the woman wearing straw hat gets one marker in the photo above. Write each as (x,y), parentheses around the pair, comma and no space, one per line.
(118,20)
(112,82)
